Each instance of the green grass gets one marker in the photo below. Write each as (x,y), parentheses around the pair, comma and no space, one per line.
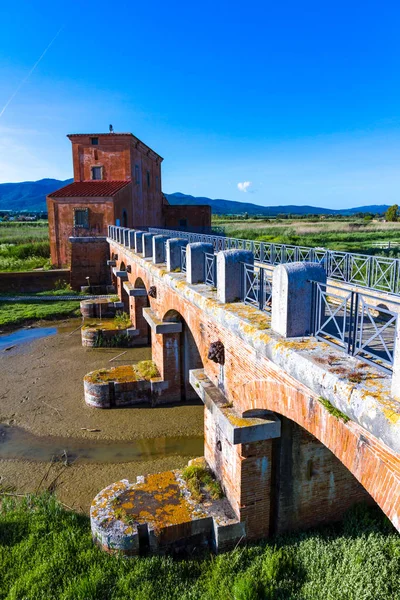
(334,411)
(13,314)
(22,233)
(46,553)
(24,257)
(24,246)
(353,236)
(198,478)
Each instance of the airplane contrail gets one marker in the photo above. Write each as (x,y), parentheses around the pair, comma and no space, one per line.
(29,74)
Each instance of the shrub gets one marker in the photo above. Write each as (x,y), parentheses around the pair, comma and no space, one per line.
(122,320)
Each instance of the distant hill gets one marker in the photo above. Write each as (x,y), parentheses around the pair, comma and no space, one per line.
(31,196)
(28,195)
(229,207)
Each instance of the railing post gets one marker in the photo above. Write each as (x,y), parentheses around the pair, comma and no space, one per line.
(230,274)
(195,261)
(159,250)
(147,245)
(138,242)
(261,275)
(174,246)
(292,297)
(396,363)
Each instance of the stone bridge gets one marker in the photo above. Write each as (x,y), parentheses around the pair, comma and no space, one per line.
(295,429)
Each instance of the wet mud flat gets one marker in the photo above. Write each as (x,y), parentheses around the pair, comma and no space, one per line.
(43,414)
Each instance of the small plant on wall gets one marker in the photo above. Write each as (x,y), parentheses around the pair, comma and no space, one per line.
(122,320)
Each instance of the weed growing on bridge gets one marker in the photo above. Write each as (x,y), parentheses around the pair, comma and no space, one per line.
(199,479)
(122,320)
(46,552)
(334,411)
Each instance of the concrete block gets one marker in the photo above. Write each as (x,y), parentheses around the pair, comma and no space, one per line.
(174,246)
(159,254)
(195,261)
(236,429)
(126,237)
(131,244)
(111,263)
(132,291)
(122,275)
(138,242)
(292,297)
(147,245)
(226,537)
(230,274)
(159,326)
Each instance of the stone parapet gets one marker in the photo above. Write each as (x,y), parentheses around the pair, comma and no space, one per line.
(292,297)
(174,261)
(195,261)
(229,274)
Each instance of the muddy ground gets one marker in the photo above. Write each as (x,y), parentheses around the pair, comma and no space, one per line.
(41,391)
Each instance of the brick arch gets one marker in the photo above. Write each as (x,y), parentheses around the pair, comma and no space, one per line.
(139,284)
(370,461)
(188,348)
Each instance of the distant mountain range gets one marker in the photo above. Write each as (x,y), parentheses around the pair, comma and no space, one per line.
(31,196)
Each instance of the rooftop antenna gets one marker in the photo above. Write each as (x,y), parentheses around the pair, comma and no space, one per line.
(111,128)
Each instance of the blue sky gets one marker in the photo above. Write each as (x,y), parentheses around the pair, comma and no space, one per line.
(265,102)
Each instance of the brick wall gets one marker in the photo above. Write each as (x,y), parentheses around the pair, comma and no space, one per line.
(89,259)
(309,481)
(33,281)
(187,216)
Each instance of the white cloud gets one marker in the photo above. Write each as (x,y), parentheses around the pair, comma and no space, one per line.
(244,186)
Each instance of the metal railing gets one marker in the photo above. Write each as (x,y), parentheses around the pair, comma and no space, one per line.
(356,324)
(257,286)
(210,268)
(183,259)
(379,273)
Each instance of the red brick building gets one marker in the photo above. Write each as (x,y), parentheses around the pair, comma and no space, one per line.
(117,181)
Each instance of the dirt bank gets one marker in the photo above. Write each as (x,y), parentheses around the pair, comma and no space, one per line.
(42,392)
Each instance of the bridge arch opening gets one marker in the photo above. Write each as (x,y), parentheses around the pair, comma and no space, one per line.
(136,306)
(189,356)
(310,486)
(139,284)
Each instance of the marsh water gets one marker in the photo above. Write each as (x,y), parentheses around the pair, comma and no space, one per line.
(17,443)
(21,336)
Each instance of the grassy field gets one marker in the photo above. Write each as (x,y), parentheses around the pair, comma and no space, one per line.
(352,236)
(46,552)
(24,246)
(15,314)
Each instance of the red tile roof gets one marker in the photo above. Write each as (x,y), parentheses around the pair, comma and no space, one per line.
(89,189)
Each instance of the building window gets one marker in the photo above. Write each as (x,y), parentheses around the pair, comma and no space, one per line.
(137,174)
(81,218)
(94,141)
(148,178)
(97,172)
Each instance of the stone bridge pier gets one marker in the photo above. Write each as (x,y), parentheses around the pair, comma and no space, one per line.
(292,440)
